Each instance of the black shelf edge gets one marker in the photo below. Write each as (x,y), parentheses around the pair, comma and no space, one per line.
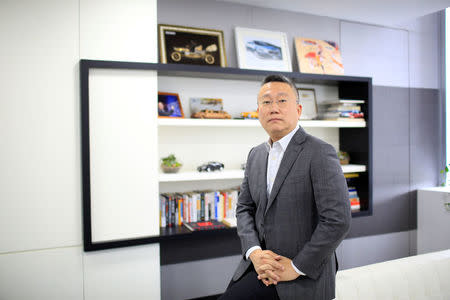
(166,234)
(363,213)
(175,233)
(218,72)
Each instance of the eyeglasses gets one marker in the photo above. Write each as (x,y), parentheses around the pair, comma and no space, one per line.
(268,103)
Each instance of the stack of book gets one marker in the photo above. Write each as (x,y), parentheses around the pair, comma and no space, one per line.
(177,209)
(342,110)
(352,192)
(354,199)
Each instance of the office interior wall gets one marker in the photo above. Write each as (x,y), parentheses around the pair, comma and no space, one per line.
(403,63)
(41,253)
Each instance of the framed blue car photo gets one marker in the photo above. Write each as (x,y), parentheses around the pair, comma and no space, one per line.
(262,50)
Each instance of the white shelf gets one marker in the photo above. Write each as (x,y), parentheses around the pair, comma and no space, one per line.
(353,168)
(230,174)
(195,176)
(253,123)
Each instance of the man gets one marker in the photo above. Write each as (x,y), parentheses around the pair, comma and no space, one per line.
(293,209)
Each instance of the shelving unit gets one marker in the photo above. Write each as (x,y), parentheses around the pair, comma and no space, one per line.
(354,137)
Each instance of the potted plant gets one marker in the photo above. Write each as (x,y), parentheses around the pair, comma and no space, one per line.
(170,164)
(444,175)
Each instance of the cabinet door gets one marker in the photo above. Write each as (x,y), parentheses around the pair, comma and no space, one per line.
(123,154)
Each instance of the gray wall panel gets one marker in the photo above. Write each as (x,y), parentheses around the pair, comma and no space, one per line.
(373,249)
(377,52)
(391,200)
(197,279)
(426,144)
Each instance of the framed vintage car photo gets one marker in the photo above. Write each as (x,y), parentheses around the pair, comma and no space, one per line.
(189,45)
(169,106)
(308,101)
(262,50)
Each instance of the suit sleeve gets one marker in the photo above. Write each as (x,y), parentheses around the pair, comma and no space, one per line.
(245,213)
(333,208)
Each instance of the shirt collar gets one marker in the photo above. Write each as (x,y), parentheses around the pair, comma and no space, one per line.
(284,141)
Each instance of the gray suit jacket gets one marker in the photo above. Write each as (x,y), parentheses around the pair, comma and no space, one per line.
(304,218)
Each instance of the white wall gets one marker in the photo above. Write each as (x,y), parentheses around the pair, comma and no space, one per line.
(41,254)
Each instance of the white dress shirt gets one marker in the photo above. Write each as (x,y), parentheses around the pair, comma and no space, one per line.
(276,153)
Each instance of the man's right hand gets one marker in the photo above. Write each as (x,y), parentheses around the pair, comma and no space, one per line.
(266,261)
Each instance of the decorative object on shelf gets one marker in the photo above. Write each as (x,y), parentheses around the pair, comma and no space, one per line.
(170,164)
(211,114)
(169,106)
(189,45)
(443,175)
(318,56)
(307,99)
(199,104)
(211,166)
(250,115)
(230,222)
(205,225)
(344,157)
(342,110)
(262,50)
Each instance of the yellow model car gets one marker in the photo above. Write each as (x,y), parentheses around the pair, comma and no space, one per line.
(195,53)
(211,114)
(249,114)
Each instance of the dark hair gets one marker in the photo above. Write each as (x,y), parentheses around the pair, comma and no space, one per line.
(281,78)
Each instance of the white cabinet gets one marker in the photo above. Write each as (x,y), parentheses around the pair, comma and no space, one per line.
(433,219)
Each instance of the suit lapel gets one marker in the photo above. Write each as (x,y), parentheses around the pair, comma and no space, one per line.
(262,180)
(290,155)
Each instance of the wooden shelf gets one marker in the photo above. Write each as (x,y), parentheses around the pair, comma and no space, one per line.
(167,122)
(230,174)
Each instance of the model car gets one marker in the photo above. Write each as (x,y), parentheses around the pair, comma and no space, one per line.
(196,52)
(211,114)
(249,114)
(264,49)
(211,166)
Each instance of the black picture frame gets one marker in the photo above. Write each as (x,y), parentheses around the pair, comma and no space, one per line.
(190,45)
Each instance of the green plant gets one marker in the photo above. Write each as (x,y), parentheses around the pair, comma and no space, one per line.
(170,161)
(444,175)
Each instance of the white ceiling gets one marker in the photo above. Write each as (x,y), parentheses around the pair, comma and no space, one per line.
(383,12)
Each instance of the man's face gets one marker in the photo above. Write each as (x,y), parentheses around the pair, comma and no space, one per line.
(278,110)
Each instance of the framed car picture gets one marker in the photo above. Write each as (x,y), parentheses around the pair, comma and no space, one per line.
(169,106)
(308,101)
(189,45)
(262,50)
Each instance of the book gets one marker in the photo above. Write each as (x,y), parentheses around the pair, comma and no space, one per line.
(204,225)
(345,119)
(230,221)
(342,101)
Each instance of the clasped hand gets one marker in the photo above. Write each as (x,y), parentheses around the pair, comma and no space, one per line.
(271,267)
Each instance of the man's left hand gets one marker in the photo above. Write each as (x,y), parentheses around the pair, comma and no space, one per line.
(287,275)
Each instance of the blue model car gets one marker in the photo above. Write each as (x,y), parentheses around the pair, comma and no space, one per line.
(264,50)
(211,166)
